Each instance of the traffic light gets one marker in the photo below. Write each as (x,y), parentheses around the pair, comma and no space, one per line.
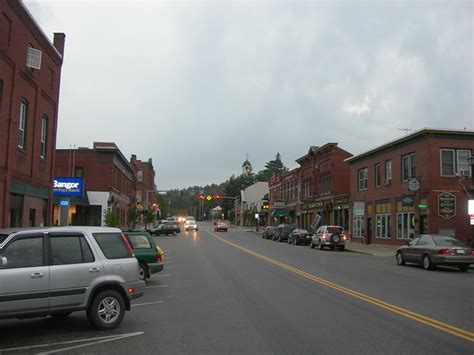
(218,196)
(201,197)
(209,197)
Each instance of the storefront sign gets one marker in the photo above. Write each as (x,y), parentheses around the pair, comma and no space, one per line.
(341,201)
(65,186)
(413,185)
(278,205)
(408,202)
(359,209)
(447,205)
(315,205)
(64,203)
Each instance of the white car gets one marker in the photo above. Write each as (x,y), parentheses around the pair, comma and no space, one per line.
(190,225)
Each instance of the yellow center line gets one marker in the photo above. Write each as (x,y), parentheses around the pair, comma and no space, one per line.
(458,332)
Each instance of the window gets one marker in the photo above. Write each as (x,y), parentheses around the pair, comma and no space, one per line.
(388,171)
(139,196)
(44,135)
(71,249)
(139,241)
(22,124)
(423,241)
(377,175)
(33,58)
(358,229)
(383,226)
(408,166)
(363,177)
(140,175)
(325,182)
(79,171)
(25,252)
(405,225)
(112,245)
(455,161)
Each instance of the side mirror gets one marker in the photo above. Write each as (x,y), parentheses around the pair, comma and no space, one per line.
(3,262)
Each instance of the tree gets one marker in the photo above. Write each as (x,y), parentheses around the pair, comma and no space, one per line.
(273,167)
(132,217)
(111,218)
(150,218)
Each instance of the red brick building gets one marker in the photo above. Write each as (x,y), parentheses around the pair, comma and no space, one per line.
(413,185)
(324,181)
(30,72)
(319,186)
(144,194)
(108,183)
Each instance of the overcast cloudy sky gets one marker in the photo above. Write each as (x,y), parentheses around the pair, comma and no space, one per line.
(197,85)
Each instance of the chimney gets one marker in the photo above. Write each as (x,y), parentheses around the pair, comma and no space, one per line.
(58,42)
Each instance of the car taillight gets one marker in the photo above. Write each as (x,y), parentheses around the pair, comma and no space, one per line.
(472,252)
(128,245)
(158,257)
(443,252)
(343,237)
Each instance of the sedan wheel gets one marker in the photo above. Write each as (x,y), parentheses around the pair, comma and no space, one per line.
(400,259)
(427,264)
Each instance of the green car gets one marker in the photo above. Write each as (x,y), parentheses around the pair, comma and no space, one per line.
(149,255)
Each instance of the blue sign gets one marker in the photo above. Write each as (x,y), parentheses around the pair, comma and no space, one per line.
(65,186)
(64,203)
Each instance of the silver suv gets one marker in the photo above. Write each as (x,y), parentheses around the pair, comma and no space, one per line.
(329,236)
(59,270)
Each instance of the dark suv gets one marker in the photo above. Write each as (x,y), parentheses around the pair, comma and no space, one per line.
(282,232)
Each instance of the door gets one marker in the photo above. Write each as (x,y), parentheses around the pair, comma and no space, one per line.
(423,224)
(73,269)
(419,248)
(369,230)
(409,252)
(24,282)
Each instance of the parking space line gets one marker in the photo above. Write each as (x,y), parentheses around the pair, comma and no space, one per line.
(107,337)
(157,286)
(146,304)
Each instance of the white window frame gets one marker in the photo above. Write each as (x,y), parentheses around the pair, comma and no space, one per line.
(44,135)
(455,161)
(358,226)
(406,230)
(22,124)
(385,221)
(139,196)
(364,178)
(378,175)
(140,175)
(388,170)
(468,167)
(410,157)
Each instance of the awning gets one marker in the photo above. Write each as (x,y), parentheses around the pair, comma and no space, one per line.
(282,213)
(82,201)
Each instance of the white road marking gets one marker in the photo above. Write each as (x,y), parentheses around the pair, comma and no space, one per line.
(157,286)
(167,262)
(147,303)
(107,337)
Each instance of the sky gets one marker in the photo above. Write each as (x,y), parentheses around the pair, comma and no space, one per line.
(198,85)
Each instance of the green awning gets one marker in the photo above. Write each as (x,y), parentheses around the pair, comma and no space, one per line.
(282,213)
(83,201)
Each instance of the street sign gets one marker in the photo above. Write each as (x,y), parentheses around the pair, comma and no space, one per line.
(413,185)
(422,207)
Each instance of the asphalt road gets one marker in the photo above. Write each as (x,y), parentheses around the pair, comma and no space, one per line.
(223,293)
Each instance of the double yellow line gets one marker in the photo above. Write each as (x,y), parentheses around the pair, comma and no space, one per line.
(460,333)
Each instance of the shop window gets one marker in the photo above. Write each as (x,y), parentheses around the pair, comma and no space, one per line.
(408,166)
(388,172)
(79,171)
(383,226)
(377,175)
(405,225)
(363,179)
(358,227)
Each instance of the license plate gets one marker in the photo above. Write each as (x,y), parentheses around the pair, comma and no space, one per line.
(460,251)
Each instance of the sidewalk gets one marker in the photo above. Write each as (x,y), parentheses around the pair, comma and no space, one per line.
(372,249)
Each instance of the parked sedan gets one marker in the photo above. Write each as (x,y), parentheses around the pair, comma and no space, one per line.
(268,232)
(282,232)
(430,250)
(148,254)
(299,236)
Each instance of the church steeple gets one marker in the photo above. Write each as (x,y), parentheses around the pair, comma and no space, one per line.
(246,166)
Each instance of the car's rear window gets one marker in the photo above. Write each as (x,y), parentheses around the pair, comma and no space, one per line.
(447,241)
(139,241)
(112,245)
(335,230)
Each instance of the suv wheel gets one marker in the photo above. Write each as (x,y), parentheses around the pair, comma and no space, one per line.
(106,310)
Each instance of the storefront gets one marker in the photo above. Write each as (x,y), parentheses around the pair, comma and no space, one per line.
(341,212)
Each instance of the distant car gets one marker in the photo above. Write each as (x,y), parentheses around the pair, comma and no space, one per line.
(329,236)
(268,232)
(60,270)
(148,254)
(430,250)
(282,232)
(190,225)
(221,226)
(299,236)
(166,229)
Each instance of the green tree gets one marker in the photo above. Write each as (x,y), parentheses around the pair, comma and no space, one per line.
(273,167)
(111,218)
(132,217)
(150,218)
